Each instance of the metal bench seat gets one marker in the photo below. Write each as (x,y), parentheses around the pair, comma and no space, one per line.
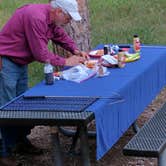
(53,111)
(150,141)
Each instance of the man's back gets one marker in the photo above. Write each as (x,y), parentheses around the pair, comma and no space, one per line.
(14,40)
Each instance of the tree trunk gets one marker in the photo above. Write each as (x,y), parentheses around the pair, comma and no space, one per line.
(79,31)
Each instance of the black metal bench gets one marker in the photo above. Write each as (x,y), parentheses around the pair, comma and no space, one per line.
(150,141)
(53,111)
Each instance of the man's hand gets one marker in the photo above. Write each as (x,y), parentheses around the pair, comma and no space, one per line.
(81,53)
(74,60)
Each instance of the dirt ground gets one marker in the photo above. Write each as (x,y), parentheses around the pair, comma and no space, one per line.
(40,137)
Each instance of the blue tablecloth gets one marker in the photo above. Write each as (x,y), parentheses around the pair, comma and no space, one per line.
(138,83)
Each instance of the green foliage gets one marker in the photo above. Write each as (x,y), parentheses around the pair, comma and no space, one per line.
(7,7)
(112,21)
(115,21)
(35,73)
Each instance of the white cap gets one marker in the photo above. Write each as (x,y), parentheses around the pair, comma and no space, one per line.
(69,6)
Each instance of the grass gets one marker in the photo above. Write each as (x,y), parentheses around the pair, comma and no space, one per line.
(115,21)
(112,21)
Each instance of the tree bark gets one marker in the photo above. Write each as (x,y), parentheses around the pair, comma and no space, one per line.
(79,31)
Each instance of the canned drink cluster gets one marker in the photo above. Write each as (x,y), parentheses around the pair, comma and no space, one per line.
(110,50)
(115,48)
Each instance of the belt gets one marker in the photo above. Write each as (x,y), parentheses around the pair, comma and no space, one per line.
(0,62)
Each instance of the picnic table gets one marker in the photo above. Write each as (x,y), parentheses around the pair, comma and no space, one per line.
(137,85)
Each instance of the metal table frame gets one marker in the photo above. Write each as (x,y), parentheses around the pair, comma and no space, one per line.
(29,118)
(39,110)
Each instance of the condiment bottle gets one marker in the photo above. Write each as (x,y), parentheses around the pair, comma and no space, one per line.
(121,59)
(136,43)
(48,72)
(100,68)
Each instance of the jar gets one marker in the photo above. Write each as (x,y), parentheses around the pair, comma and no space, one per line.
(121,59)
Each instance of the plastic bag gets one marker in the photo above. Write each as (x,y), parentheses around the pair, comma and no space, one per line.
(78,73)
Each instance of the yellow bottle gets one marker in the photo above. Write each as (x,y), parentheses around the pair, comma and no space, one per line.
(136,43)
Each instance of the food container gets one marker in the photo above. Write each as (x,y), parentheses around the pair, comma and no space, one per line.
(121,59)
(96,53)
(91,63)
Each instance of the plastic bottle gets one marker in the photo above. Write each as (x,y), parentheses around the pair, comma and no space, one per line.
(136,43)
(48,72)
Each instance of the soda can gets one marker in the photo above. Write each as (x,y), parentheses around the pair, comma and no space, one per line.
(106,49)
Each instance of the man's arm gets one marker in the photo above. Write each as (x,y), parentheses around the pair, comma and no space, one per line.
(37,40)
(60,37)
(64,40)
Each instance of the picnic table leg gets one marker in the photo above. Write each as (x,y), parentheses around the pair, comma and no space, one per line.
(84,146)
(135,127)
(162,159)
(74,142)
(57,154)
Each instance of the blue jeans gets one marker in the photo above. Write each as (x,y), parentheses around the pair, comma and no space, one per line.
(13,82)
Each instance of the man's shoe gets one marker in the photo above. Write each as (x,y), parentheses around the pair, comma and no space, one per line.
(8,161)
(27,148)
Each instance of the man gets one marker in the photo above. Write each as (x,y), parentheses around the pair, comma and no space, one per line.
(24,39)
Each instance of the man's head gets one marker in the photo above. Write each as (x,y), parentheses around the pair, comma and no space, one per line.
(68,8)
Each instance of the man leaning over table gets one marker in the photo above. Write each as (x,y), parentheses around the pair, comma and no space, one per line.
(24,39)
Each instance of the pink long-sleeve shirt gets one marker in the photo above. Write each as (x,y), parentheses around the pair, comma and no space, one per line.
(24,38)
